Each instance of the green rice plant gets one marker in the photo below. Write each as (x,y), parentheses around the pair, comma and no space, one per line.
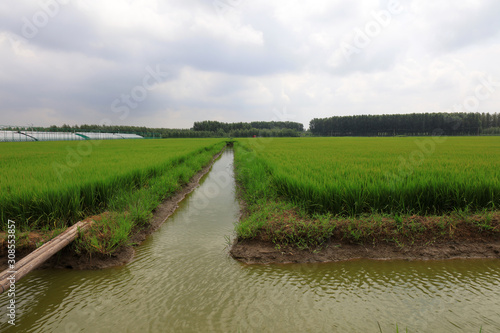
(105,235)
(368,181)
(353,176)
(50,185)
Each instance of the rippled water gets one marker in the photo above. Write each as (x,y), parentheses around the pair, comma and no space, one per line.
(183,280)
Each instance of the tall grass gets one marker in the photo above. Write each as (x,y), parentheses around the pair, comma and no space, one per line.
(36,193)
(353,176)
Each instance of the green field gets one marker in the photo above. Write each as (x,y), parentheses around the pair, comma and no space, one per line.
(54,184)
(312,182)
(352,177)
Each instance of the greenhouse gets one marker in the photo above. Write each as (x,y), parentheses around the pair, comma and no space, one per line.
(107,136)
(12,136)
(18,136)
(52,136)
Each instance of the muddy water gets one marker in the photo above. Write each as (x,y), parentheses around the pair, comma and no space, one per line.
(183,280)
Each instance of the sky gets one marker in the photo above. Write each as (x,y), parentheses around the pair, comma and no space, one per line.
(168,63)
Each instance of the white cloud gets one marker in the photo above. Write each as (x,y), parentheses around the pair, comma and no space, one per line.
(240,63)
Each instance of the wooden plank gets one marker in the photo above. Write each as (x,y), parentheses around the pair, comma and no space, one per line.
(40,255)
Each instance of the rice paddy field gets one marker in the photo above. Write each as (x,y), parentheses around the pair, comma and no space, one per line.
(355,177)
(50,185)
(54,184)
(350,176)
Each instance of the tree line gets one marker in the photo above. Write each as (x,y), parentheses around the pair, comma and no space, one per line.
(363,125)
(214,126)
(204,129)
(407,124)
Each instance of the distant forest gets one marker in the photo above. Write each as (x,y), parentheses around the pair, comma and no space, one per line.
(256,128)
(415,124)
(408,124)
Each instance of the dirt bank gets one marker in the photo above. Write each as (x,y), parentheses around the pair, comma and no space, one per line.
(262,252)
(370,237)
(67,258)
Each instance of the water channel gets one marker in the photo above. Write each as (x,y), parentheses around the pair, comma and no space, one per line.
(183,280)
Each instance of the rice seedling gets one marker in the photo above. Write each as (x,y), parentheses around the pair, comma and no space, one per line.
(54,184)
(366,189)
(352,176)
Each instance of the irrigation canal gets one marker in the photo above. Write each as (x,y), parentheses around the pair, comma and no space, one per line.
(183,280)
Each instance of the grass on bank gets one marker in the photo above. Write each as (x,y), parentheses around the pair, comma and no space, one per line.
(287,213)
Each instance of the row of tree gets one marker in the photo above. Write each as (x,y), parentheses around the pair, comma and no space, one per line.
(205,129)
(364,125)
(275,132)
(215,126)
(407,124)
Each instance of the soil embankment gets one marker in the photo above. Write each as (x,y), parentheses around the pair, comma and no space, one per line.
(379,238)
(262,252)
(461,238)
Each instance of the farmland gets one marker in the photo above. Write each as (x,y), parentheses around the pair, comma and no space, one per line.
(324,180)
(54,184)
(296,190)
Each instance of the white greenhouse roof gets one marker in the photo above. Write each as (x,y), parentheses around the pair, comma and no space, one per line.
(129,136)
(53,136)
(11,136)
(16,136)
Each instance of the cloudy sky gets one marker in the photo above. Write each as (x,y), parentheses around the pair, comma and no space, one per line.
(168,63)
